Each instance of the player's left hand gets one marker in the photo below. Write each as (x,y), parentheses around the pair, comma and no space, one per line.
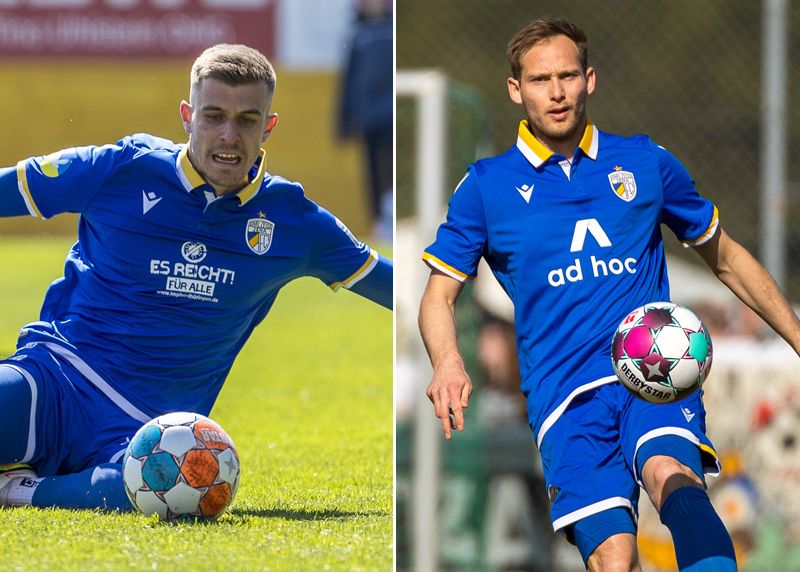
(449,391)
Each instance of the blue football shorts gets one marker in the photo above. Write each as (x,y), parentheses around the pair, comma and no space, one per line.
(53,419)
(589,455)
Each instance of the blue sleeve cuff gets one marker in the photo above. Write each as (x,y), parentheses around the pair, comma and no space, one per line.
(12,202)
(377,285)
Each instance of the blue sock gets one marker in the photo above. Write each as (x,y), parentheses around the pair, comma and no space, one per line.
(98,487)
(701,541)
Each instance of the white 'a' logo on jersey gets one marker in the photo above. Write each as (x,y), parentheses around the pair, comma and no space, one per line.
(591,226)
(597,265)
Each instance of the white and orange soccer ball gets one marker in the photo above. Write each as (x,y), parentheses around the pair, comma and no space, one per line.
(661,352)
(181,465)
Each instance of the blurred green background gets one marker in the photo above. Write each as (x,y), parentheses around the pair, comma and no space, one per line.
(687,73)
(53,104)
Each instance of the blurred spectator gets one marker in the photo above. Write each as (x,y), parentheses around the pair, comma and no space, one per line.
(501,400)
(746,323)
(731,319)
(366,104)
(738,501)
(714,316)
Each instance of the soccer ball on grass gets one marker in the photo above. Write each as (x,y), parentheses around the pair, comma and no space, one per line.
(661,352)
(181,465)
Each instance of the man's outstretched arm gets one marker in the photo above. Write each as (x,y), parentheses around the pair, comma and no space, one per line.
(11,201)
(377,285)
(752,284)
(450,387)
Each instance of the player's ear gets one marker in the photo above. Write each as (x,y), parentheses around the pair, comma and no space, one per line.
(272,121)
(513,90)
(186,116)
(591,80)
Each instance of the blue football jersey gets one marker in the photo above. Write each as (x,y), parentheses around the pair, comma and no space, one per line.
(576,246)
(167,281)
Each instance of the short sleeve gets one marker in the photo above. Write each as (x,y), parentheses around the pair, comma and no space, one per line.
(461,239)
(65,181)
(691,217)
(337,257)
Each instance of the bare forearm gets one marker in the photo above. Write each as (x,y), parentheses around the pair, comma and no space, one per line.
(437,324)
(754,286)
(450,387)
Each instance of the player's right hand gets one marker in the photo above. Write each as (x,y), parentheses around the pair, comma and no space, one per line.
(449,392)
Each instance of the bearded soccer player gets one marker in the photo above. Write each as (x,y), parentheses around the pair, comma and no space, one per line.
(568,220)
(181,251)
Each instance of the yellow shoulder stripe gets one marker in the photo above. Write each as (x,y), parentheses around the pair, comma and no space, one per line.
(365,268)
(24,190)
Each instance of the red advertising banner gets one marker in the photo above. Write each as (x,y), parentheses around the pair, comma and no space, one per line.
(133,28)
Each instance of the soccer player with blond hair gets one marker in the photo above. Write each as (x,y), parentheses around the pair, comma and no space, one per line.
(568,220)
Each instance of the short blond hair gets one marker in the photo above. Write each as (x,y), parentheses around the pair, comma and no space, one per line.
(233,64)
(539,31)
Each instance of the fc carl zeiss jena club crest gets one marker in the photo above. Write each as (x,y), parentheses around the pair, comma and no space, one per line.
(623,183)
(258,234)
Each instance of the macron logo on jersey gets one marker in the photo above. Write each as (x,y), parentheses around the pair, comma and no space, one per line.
(525,191)
(600,267)
(149,200)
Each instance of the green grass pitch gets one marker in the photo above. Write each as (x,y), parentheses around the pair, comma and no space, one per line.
(309,406)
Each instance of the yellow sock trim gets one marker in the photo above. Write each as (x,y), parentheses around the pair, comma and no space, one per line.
(14,467)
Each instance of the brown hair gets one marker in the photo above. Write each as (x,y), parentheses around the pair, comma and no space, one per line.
(233,64)
(540,30)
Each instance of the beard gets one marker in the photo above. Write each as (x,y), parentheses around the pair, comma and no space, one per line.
(549,129)
(552,132)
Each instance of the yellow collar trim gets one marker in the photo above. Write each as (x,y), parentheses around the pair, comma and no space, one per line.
(588,142)
(537,152)
(252,188)
(191,179)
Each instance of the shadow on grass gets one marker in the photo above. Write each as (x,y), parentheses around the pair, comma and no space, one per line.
(235,516)
(305,514)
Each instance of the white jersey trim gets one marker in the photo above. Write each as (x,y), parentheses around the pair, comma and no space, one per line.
(594,508)
(529,153)
(452,272)
(94,378)
(458,186)
(708,234)
(31,446)
(187,185)
(558,411)
(678,432)
(592,152)
(117,456)
(24,191)
(445,270)
(360,274)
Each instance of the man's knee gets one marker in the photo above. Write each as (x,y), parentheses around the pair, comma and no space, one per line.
(667,463)
(606,540)
(615,554)
(661,475)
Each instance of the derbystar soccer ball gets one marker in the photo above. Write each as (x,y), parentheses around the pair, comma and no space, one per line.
(181,465)
(661,352)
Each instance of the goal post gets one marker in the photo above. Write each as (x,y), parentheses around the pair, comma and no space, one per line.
(428,90)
